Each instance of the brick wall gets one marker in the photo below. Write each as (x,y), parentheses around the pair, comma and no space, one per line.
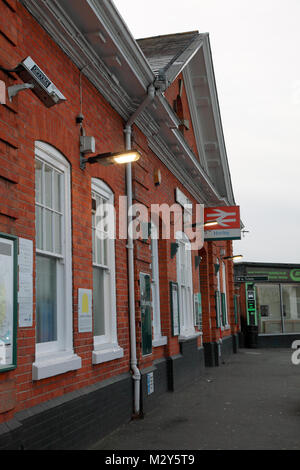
(180,105)
(22,122)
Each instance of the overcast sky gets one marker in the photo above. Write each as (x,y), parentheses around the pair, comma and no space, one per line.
(255,47)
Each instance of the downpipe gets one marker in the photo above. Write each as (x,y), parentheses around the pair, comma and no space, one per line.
(136,375)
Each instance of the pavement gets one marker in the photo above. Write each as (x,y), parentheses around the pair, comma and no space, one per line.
(250,402)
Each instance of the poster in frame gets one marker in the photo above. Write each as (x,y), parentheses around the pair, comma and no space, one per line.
(174,299)
(8,301)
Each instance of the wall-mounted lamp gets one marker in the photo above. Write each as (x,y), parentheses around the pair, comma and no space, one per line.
(233,258)
(111,158)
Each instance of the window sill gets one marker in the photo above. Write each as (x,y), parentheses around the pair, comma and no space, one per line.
(43,368)
(225,328)
(105,355)
(160,341)
(187,337)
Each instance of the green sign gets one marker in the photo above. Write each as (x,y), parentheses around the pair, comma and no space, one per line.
(236,318)
(198,310)
(251,304)
(223,308)
(218,313)
(276,274)
(295,275)
(174,308)
(146,309)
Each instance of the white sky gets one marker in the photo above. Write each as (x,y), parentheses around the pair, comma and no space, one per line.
(255,48)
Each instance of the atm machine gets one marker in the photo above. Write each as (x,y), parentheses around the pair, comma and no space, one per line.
(251,309)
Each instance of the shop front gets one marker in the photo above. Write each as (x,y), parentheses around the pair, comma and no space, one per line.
(270,303)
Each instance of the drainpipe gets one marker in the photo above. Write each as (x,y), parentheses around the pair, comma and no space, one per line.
(136,375)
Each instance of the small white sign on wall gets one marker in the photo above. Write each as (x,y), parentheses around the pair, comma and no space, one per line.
(150,383)
(85,316)
(187,205)
(25,295)
(2,92)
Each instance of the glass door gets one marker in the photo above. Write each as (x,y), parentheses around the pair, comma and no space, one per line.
(269,308)
(291,308)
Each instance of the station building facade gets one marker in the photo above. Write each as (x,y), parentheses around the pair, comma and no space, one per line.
(95,328)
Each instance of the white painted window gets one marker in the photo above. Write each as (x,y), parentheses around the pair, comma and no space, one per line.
(225,293)
(104,291)
(54,334)
(218,276)
(158,339)
(219,306)
(185,286)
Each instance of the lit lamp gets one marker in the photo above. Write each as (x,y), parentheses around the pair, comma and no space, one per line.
(233,258)
(211,223)
(111,158)
(206,224)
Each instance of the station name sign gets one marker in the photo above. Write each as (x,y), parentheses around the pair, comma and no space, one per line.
(228,225)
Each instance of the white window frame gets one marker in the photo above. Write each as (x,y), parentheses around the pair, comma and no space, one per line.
(106,347)
(219,298)
(158,339)
(57,357)
(187,327)
(226,326)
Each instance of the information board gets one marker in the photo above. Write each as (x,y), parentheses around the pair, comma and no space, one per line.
(174,308)
(25,295)
(8,301)
(198,310)
(85,315)
(146,309)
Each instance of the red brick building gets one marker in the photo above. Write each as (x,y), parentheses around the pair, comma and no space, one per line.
(102,327)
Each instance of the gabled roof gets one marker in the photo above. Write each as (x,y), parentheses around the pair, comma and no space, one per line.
(190,53)
(169,52)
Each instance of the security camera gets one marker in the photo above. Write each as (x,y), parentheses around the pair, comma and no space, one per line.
(43,87)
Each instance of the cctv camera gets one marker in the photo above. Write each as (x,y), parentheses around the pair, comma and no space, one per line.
(44,88)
